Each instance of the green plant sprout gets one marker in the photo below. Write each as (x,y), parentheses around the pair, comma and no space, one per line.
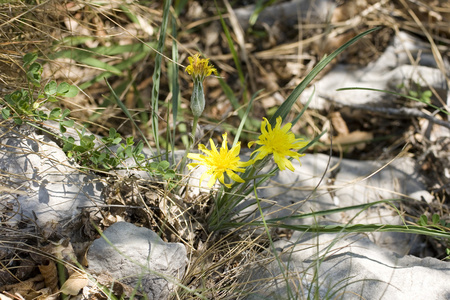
(24,103)
(436,222)
(418,93)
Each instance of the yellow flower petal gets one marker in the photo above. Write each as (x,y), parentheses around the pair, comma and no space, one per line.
(218,163)
(278,141)
(199,68)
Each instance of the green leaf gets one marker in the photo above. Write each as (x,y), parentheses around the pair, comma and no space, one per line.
(51,88)
(63,89)
(65,113)
(427,94)
(87,142)
(15,97)
(6,112)
(164,165)
(34,74)
(29,58)
(68,123)
(55,113)
(18,120)
(170,174)
(423,220)
(42,116)
(116,141)
(435,219)
(138,149)
(102,157)
(68,144)
(112,132)
(413,94)
(64,124)
(72,92)
(129,152)
(52,99)
(130,141)
(34,79)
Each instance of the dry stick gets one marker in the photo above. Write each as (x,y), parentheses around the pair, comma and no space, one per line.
(434,49)
(404,111)
(239,32)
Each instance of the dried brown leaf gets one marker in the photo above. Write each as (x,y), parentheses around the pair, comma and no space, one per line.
(74,284)
(27,289)
(47,294)
(358,138)
(339,123)
(50,274)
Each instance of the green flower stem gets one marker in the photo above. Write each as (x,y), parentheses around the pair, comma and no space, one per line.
(225,202)
(189,147)
(228,199)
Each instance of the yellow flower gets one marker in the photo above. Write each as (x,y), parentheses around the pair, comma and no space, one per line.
(199,68)
(218,163)
(279,142)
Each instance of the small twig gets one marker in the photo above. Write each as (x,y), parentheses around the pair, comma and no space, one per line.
(115,205)
(403,111)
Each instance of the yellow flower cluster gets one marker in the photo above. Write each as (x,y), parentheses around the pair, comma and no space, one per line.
(199,68)
(218,163)
(279,141)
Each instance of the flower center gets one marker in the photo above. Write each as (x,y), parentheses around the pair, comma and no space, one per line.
(277,141)
(221,161)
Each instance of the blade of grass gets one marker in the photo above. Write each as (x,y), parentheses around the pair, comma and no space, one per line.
(339,228)
(234,54)
(364,228)
(259,7)
(300,114)
(334,211)
(78,53)
(127,113)
(123,65)
(285,108)
(175,86)
(235,103)
(227,90)
(274,251)
(157,75)
(244,118)
(396,94)
(179,6)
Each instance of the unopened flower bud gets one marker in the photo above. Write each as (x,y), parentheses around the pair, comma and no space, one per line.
(197,99)
(199,69)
